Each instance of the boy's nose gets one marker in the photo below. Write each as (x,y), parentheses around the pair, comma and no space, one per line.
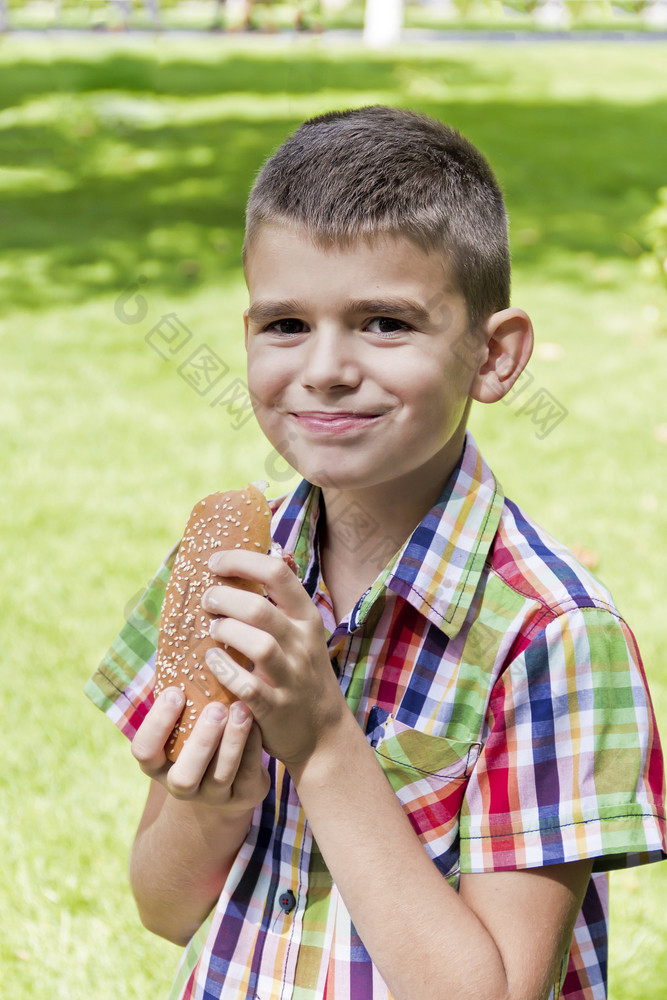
(330,361)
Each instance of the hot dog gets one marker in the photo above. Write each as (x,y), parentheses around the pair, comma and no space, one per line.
(235,519)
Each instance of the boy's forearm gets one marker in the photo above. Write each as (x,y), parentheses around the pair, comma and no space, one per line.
(502,936)
(424,939)
(180,860)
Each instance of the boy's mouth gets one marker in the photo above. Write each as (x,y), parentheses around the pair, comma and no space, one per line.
(333,421)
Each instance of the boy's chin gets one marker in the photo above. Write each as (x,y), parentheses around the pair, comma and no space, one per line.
(344,480)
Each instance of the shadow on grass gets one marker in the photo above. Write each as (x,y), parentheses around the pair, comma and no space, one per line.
(297,73)
(105,185)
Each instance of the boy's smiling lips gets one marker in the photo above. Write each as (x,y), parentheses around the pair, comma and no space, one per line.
(334,421)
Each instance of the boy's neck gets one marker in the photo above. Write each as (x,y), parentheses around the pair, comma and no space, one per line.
(362,529)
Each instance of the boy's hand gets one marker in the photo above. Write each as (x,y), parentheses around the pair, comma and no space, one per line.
(221,763)
(292,690)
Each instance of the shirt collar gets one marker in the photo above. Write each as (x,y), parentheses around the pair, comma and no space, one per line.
(437,569)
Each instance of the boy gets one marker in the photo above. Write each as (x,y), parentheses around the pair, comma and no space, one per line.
(446,740)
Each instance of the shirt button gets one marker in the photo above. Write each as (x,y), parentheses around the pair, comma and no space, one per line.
(287,901)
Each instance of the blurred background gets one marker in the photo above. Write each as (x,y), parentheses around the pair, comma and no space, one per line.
(126,155)
(317,15)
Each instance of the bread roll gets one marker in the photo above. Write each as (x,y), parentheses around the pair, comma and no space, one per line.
(238,519)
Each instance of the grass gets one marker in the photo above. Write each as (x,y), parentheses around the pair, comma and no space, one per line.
(125,170)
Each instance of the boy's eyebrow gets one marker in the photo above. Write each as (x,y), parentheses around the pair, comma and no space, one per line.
(394,306)
(405,308)
(269,309)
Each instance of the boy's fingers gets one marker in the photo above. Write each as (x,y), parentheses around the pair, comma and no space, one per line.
(226,763)
(251,774)
(282,586)
(186,774)
(149,742)
(218,736)
(246,686)
(231,602)
(252,754)
(257,645)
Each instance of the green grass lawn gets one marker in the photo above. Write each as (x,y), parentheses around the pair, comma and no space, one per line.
(124,168)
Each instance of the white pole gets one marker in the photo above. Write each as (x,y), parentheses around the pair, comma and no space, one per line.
(551,14)
(383,22)
(655,14)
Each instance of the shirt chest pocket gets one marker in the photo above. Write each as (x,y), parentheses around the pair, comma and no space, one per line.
(429,775)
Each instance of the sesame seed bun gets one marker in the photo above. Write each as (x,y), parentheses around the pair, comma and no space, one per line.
(236,519)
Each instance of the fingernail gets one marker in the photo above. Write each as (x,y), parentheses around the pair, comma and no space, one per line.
(213,563)
(214,622)
(240,713)
(221,664)
(172,696)
(215,660)
(215,713)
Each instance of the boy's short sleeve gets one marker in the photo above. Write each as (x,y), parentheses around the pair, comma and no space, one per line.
(571,765)
(122,686)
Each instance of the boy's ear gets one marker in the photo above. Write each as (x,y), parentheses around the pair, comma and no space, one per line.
(245,327)
(509,336)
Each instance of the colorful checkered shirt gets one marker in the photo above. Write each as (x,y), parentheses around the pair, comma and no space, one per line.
(506,701)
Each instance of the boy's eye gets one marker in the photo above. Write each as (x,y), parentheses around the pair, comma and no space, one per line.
(287,326)
(386,325)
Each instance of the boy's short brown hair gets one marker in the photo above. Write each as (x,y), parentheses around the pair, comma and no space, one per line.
(350,175)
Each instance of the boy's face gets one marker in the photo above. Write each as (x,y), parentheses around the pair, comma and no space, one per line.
(360,362)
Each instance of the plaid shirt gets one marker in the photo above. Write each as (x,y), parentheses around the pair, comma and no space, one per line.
(506,701)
